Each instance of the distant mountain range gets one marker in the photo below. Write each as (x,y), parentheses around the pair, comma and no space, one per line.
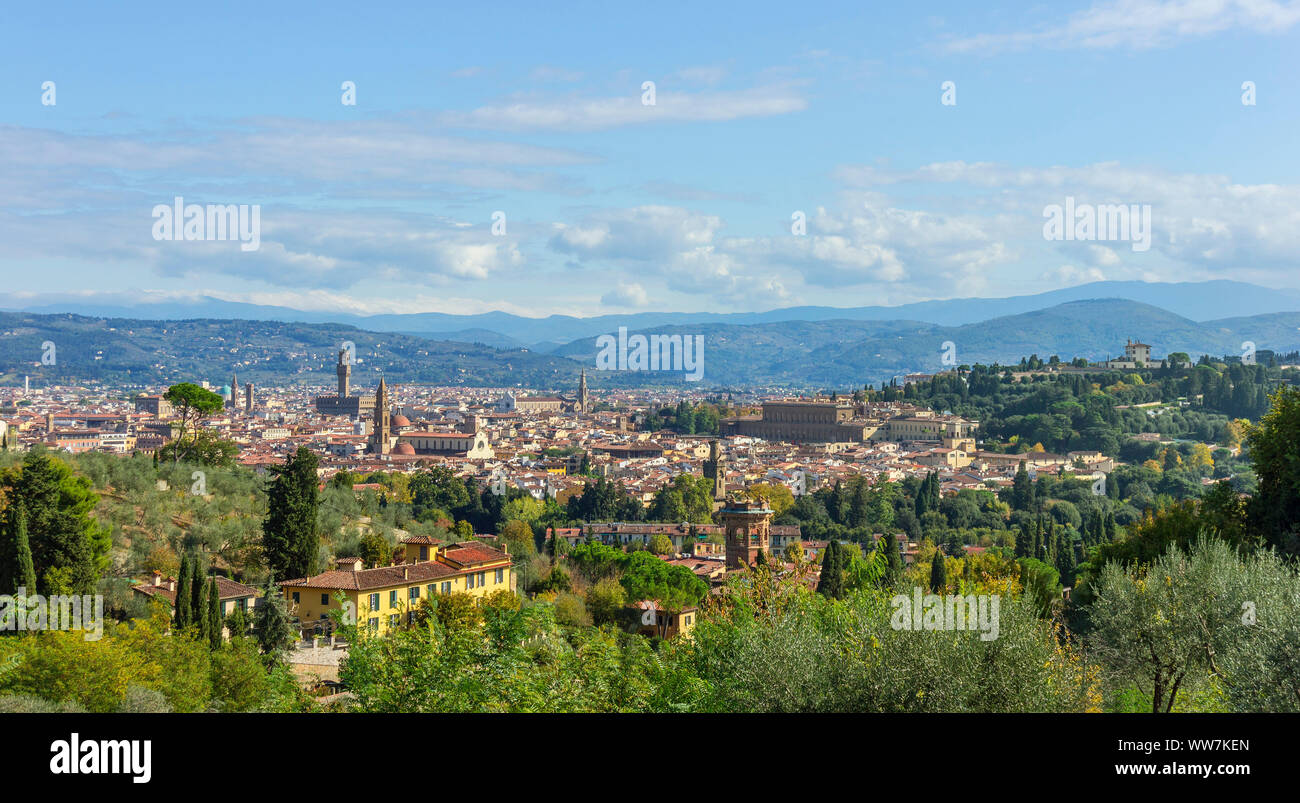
(827,354)
(740,350)
(1197,301)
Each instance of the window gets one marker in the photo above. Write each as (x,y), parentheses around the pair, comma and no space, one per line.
(373,623)
(424,553)
(415,592)
(392,598)
(374,602)
(501,573)
(431,588)
(394,619)
(469,581)
(295,597)
(446,587)
(482,579)
(324,599)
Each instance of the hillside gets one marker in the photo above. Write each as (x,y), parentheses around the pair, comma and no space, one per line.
(797,354)
(123,350)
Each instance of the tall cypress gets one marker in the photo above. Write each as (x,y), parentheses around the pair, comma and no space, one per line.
(182,617)
(289,536)
(938,574)
(200,608)
(1066,563)
(23,549)
(893,559)
(214,615)
(830,584)
(198,605)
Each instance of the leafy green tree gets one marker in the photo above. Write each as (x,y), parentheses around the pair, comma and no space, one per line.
(518,536)
(275,636)
(1273,452)
(374,549)
(606,600)
(1167,627)
(69,548)
(205,447)
(289,532)
(193,403)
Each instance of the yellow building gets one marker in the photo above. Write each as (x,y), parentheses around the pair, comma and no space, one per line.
(385,597)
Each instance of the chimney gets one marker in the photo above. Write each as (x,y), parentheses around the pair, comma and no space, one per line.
(171,584)
(157,579)
(406,572)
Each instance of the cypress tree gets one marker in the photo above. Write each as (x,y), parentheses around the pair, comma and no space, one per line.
(237,623)
(1025,541)
(1022,493)
(200,609)
(938,574)
(830,583)
(214,615)
(289,535)
(26,570)
(198,585)
(761,560)
(182,617)
(893,559)
(1066,563)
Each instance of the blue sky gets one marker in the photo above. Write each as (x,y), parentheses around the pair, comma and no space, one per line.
(762,110)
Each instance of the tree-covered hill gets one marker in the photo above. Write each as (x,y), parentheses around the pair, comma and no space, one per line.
(125,350)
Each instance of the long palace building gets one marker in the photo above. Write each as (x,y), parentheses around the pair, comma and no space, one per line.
(846,422)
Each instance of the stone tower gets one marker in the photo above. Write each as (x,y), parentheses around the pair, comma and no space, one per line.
(233,403)
(344,370)
(379,438)
(748,528)
(248,398)
(715,468)
(582,393)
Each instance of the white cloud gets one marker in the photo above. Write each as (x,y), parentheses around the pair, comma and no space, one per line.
(1102,256)
(1068,275)
(1203,221)
(591,114)
(1140,25)
(627,294)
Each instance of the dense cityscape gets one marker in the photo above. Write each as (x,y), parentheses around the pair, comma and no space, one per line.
(311,530)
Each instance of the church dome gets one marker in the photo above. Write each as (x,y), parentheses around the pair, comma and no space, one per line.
(399,421)
(404,449)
